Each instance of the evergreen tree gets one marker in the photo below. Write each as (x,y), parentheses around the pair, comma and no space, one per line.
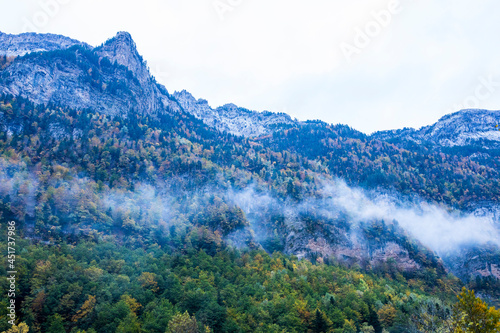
(55,324)
(319,324)
(373,321)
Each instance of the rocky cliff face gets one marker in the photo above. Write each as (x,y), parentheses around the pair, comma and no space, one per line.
(474,261)
(122,50)
(352,245)
(111,79)
(19,45)
(357,252)
(233,119)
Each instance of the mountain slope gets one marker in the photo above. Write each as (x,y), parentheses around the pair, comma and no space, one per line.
(467,127)
(19,45)
(112,78)
(103,79)
(233,119)
(107,150)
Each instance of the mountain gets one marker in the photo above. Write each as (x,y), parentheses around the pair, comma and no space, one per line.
(471,127)
(110,78)
(175,202)
(19,45)
(233,119)
(113,77)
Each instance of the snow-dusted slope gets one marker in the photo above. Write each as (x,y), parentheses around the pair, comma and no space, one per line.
(233,119)
(466,127)
(19,45)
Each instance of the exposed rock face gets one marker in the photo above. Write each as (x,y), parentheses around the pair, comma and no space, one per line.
(19,45)
(358,252)
(233,119)
(111,79)
(474,261)
(487,209)
(490,270)
(348,245)
(466,127)
(122,50)
(392,251)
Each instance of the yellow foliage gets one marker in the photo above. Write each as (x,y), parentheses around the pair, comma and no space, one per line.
(301,309)
(132,303)
(387,314)
(183,323)
(21,328)
(87,307)
(93,273)
(148,281)
(349,326)
(471,314)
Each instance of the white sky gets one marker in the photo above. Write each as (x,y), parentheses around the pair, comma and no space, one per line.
(431,59)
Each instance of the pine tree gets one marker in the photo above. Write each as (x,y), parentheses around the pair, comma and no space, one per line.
(373,321)
(319,324)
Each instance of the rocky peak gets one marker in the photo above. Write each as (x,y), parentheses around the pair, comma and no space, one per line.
(197,107)
(123,50)
(123,37)
(80,79)
(112,90)
(119,46)
(469,121)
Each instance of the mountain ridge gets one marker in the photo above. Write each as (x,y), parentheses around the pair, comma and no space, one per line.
(464,127)
(12,45)
(232,118)
(115,155)
(21,76)
(151,97)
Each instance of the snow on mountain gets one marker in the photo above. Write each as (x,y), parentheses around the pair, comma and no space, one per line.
(81,78)
(465,127)
(19,45)
(233,119)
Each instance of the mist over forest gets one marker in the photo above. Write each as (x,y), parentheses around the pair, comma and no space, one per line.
(137,210)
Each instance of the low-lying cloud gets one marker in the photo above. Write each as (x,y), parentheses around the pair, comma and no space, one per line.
(441,229)
(436,227)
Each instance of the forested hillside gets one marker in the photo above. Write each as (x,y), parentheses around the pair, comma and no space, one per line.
(129,222)
(137,210)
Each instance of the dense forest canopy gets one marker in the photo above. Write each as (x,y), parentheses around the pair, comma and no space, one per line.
(131,224)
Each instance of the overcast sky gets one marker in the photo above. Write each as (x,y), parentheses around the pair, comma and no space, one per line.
(374,65)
